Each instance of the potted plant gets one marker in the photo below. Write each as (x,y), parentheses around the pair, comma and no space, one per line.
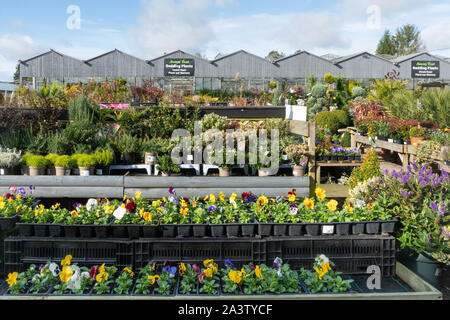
(9,159)
(103,159)
(85,162)
(37,165)
(128,144)
(382,131)
(416,134)
(200,218)
(51,171)
(63,165)
(298,154)
(223,161)
(166,165)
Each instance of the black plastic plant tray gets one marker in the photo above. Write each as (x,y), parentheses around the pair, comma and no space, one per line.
(388,284)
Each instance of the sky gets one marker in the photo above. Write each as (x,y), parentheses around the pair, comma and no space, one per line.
(147,29)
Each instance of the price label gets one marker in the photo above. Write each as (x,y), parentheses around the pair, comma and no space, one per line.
(327,229)
(151,158)
(2,172)
(84,173)
(190,157)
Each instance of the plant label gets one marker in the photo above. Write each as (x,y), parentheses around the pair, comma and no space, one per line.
(99,172)
(2,172)
(67,172)
(84,173)
(327,229)
(285,157)
(190,157)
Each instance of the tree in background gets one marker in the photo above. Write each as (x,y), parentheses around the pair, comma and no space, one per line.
(405,41)
(17,74)
(386,44)
(275,55)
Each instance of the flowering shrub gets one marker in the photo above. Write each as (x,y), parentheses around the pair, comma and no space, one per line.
(419,199)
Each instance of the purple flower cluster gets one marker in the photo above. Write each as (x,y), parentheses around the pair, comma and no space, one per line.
(439,208)
(425,176)
(342,151)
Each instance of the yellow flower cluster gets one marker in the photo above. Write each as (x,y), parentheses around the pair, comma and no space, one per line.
(332,205)
(129,272)
(320,193)
(102,275)
(235,276)
(323,270)
(182,269)
(153,279)
(12,278)
(308,203)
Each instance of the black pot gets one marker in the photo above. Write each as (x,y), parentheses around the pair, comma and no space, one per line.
(327,158)
(333,158)
(398,141)
(7,224)
(358,158)
(101,171)
(120,231)
(382,138)
(129,158)
(102,231)
(71,231)
(295,229)
(232,230)
(372,227)
(340,158)
(351,158)
(185,230)
(343,229)
(199,230)
(388,226)
(134,231)
(358,228)
(312,229)
(217,230)
(150,231)
(118,158)
(55,230)
(248,230)
(169,230)
(25,229)
(280,230)
(40,230)
(86,231)
(265,229)
(407,142)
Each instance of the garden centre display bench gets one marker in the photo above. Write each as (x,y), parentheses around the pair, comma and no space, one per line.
(207,167)
(334,190)
(147,167)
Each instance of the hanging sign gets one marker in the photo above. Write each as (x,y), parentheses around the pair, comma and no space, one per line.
(425,69)
(179,67)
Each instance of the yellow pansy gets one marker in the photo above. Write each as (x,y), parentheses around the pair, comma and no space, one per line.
(291,197)
(308,203)
(10,200)
(147,216)
(17,209)
(66,274)
(208,273)
(182,268)
(221,196)
(208,262)
(138,195)
(262,200)
(66,261)
(109,209)
(2,204)
(101,269)
(74,213)
(183,203)
(12,278)
(235,276)
(18,197)
(129,272)
(332,205)
(184,211)
(153,279)
(320,193)
(56,206)
(206,198)
(2,198)
(164,199)
(124,197)
(258,272)
(349,208)
(102,277)
(212,198)
(371,205)
(156,204)
(233,196)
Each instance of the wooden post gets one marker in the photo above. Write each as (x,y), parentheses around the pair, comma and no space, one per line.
(312,153)
(352,140)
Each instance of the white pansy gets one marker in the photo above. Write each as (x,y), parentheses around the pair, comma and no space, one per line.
(92,204)
(119,213)
(54,269)
(323,259)
(74,282)
(233,203)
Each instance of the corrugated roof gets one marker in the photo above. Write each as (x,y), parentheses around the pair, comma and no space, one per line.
(330,56)
(240,51)
(345,58)
(413,55)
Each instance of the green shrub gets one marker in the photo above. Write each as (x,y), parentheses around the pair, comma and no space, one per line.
(104,158)
(318,91)
(51,157)
(214,121)
(165,164)
(25,158)
(417,132)
(86,160)
(65,161)
(328,78)
(37,161)
(358,92)
(343,117)
(346,140)
(370,168)
(333,120)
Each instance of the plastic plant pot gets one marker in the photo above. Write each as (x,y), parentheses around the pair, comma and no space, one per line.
(372,227)
(25,229)
(265,229)
(280,230)
(134,231)
(129,158)
(217,230)
(150,231)
(232,230)
(169,230)
(343,229)
(71,231)
(388,226)
(312,229)
(358,228)
(102,231)
(248,230)
(41,230)
(199,230)
(120,231)
(55,230)
(184,230)
(86,231)
(295,229)
(8,223)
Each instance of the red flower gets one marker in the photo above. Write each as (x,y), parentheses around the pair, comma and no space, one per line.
(9,196)
(93,272)
(131,207)
(201,277)
(196,269)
